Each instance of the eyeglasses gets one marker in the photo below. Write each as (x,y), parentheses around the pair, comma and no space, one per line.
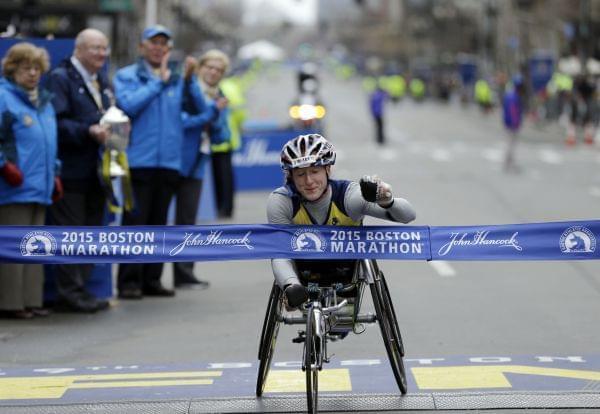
(159,41)
(98,49)
(219,69)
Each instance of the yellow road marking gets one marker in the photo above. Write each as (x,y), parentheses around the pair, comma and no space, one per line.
(337,379)
(17,388)
(489,376)
(146,375)
(122,384)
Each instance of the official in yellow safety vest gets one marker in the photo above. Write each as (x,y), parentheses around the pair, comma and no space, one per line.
(395,87)
(233,89)
(417,88)
(483,94)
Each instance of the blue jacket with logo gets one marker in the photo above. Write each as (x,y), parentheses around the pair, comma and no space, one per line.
(154,107)
(196,120)
(76,111)
(28,139)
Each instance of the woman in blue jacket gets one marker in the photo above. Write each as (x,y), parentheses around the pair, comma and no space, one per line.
(203,126)
(28,174)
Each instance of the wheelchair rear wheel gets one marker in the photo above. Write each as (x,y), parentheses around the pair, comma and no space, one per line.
(268,337)
(311,362)
(394,320)
(388,324)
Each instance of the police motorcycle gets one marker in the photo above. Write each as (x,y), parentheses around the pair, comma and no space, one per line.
(307,111)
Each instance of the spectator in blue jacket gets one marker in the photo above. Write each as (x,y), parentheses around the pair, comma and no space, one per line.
(150,93)
(28,173)
(81,96)
(202,128)
(512,105)
(377,105)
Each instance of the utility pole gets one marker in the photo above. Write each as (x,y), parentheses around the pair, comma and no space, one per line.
(150,12)
(584,34)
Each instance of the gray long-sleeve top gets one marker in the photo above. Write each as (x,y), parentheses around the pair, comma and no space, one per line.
(280,211)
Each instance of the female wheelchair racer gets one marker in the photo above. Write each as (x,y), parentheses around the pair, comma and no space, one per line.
(311,197)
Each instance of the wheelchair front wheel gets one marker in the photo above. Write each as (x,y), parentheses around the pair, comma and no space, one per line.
(388,324)
(311,362)
(268,337)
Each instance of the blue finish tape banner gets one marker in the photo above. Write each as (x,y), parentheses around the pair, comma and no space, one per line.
(574,240)
(146,244)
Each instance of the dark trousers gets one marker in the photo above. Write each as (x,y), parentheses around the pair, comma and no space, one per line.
(83,204)
(153,189)
(380,136)
(224,184)
(188,197)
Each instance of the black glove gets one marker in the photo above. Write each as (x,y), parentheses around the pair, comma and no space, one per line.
(368,188)
(376,191)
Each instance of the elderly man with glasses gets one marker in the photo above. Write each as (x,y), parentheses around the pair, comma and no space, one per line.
(82,93)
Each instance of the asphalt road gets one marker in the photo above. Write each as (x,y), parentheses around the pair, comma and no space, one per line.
(445,159)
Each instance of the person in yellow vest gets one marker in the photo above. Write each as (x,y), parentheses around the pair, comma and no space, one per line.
(417,89)
(345,71)
(396,87)
(583,110)
(233,89)
(483,95)
(234,92)
(369,84)
(559,89)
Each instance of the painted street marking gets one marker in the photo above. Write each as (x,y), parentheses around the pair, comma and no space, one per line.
(388,155)
(550,156)
(443,268)
(459,147)
(441,155)
(232,379)
(295,381)
(401,136)
(489,376)
(416,148)
(56,386)
(493,154)
(594,191)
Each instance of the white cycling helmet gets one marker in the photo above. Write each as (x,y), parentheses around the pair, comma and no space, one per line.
(307,151)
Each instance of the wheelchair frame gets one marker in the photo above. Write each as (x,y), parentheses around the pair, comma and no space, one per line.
(322,318)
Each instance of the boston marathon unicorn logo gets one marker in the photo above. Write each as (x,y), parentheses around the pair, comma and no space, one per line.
(577,239)
(308,240)
(38,243)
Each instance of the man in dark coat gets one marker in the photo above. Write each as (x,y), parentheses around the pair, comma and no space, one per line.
(81,96)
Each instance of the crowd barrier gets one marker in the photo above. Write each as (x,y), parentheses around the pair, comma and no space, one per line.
(256,164)
(569,240)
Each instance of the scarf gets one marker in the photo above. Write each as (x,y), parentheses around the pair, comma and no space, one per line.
(34,96)
(211,92)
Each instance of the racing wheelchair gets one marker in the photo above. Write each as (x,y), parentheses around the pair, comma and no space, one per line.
(333,310)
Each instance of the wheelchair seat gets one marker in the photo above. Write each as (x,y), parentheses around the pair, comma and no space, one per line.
(328,272)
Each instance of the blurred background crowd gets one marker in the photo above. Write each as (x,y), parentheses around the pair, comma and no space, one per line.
(440,49)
